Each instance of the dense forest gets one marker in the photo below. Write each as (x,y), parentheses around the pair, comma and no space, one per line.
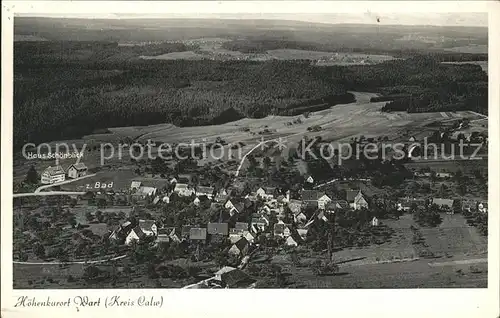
(68,89)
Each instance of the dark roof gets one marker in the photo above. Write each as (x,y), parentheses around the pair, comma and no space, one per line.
(342,203)
(351,194)
(241,243)
(138,231)
(279,228)
(79,166)
(186,229)
(232,278)
(197,233)
(311,195)
(218,228)
(146,224)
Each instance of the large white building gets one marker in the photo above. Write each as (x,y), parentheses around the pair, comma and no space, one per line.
(53,175)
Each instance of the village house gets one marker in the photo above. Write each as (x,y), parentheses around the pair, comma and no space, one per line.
(148,227)
(281,229)
(145,191)
(302,232)
(266,193)
(240,248)
(222,195)
(249,236)
(290,241)
(77,170)
(135,236)
(196,201)
(183,190)
(120,233)
(443,203)
(163,235)
(234,235)
(337,205)
(234,208)
(231,277)
(295,206)
(356,199)
(135,185)
(482,207)
(309,179)
(218,229)
(207,191)
(53,175)
(405,204)
(469,206)
(316,198)
(197,234)
(299,217)
(259,224)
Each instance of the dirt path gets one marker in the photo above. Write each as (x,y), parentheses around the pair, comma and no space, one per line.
(40,188)
(69,263)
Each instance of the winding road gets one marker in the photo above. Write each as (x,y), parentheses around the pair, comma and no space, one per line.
(74,262)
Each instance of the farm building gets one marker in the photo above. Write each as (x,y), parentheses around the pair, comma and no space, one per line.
(53,175)
(77,170)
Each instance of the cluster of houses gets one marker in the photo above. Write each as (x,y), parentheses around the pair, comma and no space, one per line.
(405,204)
(293,217)
(57,173)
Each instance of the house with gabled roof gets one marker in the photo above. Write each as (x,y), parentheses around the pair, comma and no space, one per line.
(482,207)
(77,170)
(295,206)
(259,224)
(266,193)
(281,229)
(309,179)
(53,175)
(146,191)
(206,191)
(184,190)
(135,185)
(356,199)
(240,248)
(135,235)
(148,227)
(315,197)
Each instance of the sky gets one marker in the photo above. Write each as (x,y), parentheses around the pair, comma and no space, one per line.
(389,13)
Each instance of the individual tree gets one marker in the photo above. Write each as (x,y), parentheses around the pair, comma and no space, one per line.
(32,176)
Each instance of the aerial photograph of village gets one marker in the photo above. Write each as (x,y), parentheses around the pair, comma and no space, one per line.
(349,151)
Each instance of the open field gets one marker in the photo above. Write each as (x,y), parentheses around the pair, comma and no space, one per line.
(338,123)
(455,237)
(215,51)
(483,64)
(416,274)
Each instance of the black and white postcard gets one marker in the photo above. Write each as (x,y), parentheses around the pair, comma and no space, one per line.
(348,151)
